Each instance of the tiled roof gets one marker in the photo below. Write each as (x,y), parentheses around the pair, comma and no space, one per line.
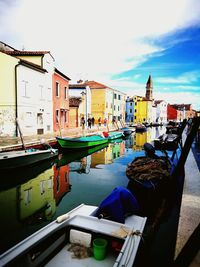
(32,65)
(74,101)
(62,74)
(26,53)
(181,106)
(149,82)
(96,85)
(158,101)
(75,86)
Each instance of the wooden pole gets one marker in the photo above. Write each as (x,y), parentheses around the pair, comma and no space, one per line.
(21,136)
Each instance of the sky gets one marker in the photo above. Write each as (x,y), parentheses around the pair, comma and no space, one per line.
(115,42)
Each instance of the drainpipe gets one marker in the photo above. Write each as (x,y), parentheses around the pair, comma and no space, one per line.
(16,103)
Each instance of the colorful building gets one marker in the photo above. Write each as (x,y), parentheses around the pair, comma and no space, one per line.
(60,101)
(130,107)
(29,98)
(83,92)
(142,110)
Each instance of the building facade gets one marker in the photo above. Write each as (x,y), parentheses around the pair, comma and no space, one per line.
(60,101)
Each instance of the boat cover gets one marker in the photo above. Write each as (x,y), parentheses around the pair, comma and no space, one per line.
(119,204)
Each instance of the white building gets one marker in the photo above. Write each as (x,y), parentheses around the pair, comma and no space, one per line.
(83,91)
(161,111)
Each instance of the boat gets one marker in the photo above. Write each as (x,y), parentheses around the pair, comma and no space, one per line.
(140,128)
(80,238)
(12,160)
(81,142)
(154,172)
(127,131)
(113,135)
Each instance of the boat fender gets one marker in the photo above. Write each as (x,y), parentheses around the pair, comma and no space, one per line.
(62,218)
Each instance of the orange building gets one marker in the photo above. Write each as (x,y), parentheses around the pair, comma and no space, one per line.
(60,101)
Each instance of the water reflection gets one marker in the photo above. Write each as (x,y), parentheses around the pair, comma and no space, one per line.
(30,198)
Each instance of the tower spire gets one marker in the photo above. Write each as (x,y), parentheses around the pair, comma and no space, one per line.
(149,88)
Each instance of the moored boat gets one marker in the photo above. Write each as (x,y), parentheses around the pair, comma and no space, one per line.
(127,131)
(140,128)
(71,239)
(81,142)
(18,159)
(113,135)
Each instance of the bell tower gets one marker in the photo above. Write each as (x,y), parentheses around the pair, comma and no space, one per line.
(149,88)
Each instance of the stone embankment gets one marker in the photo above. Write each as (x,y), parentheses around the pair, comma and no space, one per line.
(8,143)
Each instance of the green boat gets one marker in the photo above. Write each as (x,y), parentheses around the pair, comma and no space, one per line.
(115,135)
(81,142)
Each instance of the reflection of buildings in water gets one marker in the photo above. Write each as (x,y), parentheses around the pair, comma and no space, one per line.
(106,156)
(81,166)
(157,131)
(129,141)
(36,200)
(140,139)
(61,182)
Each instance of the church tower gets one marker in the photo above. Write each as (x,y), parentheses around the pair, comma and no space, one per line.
(149,88)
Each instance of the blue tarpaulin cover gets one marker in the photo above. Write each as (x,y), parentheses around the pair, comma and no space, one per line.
(116,206)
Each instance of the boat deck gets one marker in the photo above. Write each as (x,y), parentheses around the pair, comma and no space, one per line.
(64,258)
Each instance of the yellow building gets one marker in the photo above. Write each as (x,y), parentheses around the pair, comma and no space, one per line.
(101,100)
(8,89)
(143,110)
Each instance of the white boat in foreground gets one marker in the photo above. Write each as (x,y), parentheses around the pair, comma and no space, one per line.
(49,245)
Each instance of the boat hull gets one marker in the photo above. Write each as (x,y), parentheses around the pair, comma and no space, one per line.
(19,159)
(84,142)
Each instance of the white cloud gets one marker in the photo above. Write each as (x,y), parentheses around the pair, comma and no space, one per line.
(185,78)
(96,38)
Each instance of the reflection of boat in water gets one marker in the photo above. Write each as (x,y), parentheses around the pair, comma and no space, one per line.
(75,155)
(54,243)
(12,178)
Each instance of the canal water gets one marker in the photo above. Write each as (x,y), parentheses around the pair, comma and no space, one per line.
(32,198)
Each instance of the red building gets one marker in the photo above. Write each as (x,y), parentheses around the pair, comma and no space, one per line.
(60,101)
(171,113)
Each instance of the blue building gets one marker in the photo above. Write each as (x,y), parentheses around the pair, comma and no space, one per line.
(129,110)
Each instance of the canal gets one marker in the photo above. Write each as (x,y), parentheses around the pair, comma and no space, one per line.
(32,198)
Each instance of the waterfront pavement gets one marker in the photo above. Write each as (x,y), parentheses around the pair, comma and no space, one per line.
(13,143)
(188,244)
(190,207)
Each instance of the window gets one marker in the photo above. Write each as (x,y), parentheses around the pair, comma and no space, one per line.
(115,96)
(24,88)
(41,92)
(65,92)
(57,89)
(27,196)
(65,116)
(131,110)
(57,115)
(118,108)
(114,107)
(135,110)
(119,97)
(49,96)
(42,187)
(131,104)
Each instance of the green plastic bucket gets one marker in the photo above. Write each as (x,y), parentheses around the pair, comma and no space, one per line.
(99,248)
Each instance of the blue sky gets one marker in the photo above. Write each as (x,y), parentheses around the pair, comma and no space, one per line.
(118,43)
